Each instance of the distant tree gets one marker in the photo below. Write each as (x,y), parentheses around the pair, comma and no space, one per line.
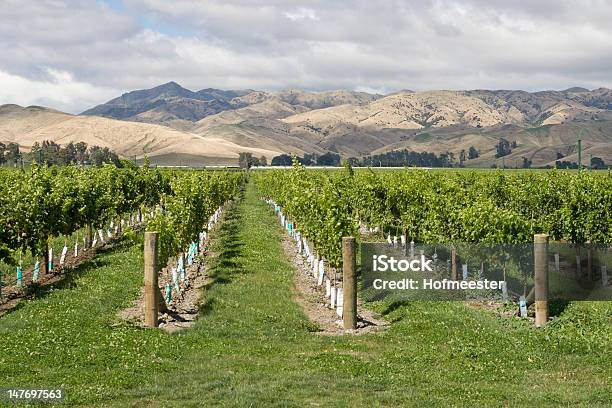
(2,153)
(67,154)
(473,153)
(128,164)
(282,160)
(246,160)
(243,160)
(51,152)
(597,163)
(12,153)
(503,148)
(96,156)
(526,163)
(329,159)
(263,161)
(513,144)
(462,157)
(446,160)
(47,152)
(407,158)
(353,161)
(559,156)
(111,157)
(310,159)
(81,154)
(36,153)
(559,164)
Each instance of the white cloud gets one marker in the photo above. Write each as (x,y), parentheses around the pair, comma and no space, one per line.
(273,44)
(302,13)
(61,91)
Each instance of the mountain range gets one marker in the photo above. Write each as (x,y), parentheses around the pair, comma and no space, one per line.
(174,125)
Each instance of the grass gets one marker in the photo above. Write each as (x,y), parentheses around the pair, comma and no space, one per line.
(423,137)
(543,130)
(252,346)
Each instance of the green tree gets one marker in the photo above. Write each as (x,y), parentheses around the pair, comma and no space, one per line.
(503,148)
(246,160)
(281,160)
(462,157)
(329,159)
(81,155)
(2,153)
(12,153)
(526,163)
(598,163)
(67,154)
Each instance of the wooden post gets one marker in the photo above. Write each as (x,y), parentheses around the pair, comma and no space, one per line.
(349,284)
(540,251)
(578,263)
(91,232)
(150,279)
(44,270)
(589,262)
(454,275)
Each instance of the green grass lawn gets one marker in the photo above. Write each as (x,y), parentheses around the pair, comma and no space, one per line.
(252,345)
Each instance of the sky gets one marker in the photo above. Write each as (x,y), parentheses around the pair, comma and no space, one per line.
(73,54)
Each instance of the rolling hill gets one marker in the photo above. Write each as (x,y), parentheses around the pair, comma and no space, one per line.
(26,126)
(177,124)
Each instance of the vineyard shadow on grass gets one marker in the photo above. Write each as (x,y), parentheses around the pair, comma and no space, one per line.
(228,251)
(68,279)
(557,306)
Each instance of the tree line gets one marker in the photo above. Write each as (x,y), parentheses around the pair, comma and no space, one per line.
(50,153)
(396,158)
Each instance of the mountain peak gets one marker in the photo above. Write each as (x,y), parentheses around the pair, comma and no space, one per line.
(170,86)
(576,89)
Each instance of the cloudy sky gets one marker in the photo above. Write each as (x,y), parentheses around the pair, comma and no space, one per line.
(73,54)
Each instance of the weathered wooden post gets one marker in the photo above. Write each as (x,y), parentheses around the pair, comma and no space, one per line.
(540,250)
(578,263)
(44,271)
(349,284)
(589,262)
(454,275)
(150,279)
(88,236)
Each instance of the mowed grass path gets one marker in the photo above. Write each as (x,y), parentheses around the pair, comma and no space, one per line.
(252,347)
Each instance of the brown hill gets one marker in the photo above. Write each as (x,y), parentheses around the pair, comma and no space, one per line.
(217,124)
(172,105)
(410,111)
(129,139)
(539,144)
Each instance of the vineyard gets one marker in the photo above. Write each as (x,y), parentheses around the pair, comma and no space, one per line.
(443,207)
(47,207)
(436,207)
(252,341)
